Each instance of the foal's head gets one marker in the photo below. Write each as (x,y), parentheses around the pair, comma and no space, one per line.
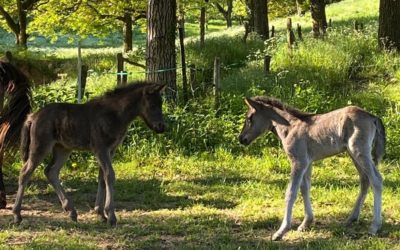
(151,108)
(259,119)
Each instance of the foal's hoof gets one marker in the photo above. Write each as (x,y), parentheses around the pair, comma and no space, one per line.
(350,221)
(373,230)
(3,201)
(17,219)
(277,237)
(73,215)
(112,221)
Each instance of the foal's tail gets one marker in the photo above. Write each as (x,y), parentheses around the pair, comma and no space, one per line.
(380,141)
(26,139)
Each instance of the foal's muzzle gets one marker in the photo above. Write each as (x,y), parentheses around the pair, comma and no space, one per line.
(159,127)
(244,140)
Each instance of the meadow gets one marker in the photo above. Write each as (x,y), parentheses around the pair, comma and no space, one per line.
(195,186)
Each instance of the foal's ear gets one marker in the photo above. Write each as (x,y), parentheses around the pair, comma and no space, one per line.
(156,88)
(253,104)
(278,118)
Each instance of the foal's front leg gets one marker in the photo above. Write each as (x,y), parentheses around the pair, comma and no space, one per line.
(296,176)
(101,195)
(305,187)
(109,179)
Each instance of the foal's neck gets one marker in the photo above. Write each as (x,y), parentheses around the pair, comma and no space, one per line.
(129,107)
(282,130)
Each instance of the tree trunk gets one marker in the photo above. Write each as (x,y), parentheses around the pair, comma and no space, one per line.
(128,33)
(250,13)
(261,18)
(299,6)
(202,26)
(21,36)
(318,16)
(389,23)
(161,55)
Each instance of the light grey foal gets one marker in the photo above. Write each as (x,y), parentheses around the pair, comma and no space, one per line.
(308,137)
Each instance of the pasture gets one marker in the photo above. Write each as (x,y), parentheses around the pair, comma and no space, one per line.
(195,186)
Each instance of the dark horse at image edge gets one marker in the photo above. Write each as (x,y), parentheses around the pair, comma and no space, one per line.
(98,126)
(15,86)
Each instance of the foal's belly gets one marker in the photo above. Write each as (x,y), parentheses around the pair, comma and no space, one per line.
(326,148)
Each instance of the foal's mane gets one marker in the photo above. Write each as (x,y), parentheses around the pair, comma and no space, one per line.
(282,106)
(120,92)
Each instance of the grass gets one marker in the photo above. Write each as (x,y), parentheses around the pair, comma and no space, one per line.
(195,187)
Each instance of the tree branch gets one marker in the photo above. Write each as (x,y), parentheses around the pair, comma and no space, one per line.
(10,22)
(134,63)
(28,4)
(220,8)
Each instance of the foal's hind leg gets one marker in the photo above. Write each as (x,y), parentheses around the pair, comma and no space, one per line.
(52,172)
(364,185)
(35,157)
(305,192)
(364,159)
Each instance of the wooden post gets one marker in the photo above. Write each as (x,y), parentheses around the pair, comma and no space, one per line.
(124,77)
(192,79)
(79,73)
(290,34)
(84,70)
(356,25)
(330,22)
(289,24)
(272,31)
(120,68)
(217,86)
(183,63)
(8,56)
(299,33)
(267,63)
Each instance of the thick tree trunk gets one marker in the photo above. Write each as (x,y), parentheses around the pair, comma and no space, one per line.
(318,16)
(161,54)
(128,33)
(389,23)
(261,18)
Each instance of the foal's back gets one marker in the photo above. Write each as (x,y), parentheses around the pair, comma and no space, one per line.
(331,133)
(73,125)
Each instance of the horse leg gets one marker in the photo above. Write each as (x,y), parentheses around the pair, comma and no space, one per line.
(364,185)
(24,176)
(305,192)
(52,172)
(100,197)
(3,200)
(364,159)
(109,178)
(296,177)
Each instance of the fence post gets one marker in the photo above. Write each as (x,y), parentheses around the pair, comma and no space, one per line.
(290,34)
(79,94)
(272,31)
(183,63)
(120,68)
(299,33)
(217,86)
(267,63)
(84,70)
(192,78)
